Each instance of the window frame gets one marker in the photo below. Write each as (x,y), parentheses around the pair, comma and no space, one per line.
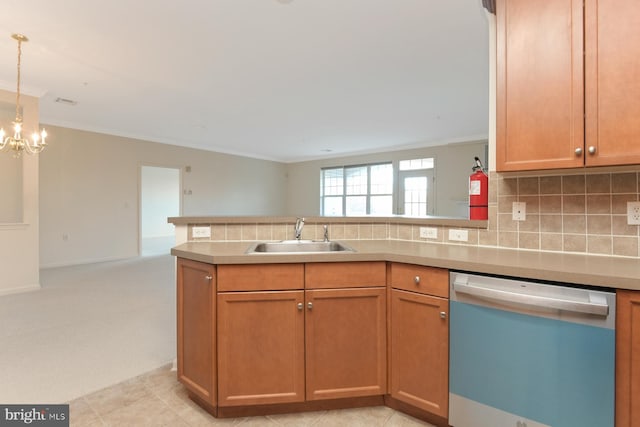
(368,194)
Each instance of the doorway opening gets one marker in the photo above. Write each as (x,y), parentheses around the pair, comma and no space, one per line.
(160,198)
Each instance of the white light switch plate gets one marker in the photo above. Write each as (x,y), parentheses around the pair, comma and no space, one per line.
(519,211)
(199,232)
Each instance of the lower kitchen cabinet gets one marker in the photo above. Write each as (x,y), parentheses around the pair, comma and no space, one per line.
(627,358)
(346,342)
(420,351)
(260,348)
(419,341)
(196,308)
(288,346)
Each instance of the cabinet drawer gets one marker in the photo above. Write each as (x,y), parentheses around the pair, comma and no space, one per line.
(323,275)
(260,277)
(421,279)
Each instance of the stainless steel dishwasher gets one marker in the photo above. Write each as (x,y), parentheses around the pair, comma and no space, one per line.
(529,354)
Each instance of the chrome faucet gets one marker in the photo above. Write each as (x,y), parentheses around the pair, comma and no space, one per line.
(326,233)
(298,227)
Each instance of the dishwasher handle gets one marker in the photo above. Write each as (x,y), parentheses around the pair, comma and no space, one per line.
(484,292)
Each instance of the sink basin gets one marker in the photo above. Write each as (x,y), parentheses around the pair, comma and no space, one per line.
(297,246)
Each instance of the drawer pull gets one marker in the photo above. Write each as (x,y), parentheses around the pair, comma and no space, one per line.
(416,280)
(300,306)
(209,278)
(443,314)
(310,305)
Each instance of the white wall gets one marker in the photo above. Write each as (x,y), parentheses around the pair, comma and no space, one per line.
(89,192)
(10,171)
(19,241)
(452,170)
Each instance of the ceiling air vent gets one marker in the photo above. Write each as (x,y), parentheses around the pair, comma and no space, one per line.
(66,101)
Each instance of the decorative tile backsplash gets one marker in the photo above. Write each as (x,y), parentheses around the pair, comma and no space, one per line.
(584,213)
(580,213)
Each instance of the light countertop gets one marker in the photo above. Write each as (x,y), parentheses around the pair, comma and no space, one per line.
(610,272)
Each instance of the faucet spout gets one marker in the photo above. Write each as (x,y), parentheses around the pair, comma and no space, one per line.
(298,228)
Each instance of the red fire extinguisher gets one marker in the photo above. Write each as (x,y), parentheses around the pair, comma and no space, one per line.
(478,193)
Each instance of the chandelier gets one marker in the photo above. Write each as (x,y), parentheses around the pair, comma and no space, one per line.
(17,143)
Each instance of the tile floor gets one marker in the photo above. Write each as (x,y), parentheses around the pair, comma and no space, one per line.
(158,399)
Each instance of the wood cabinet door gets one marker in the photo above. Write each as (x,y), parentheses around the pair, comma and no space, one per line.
(196,314)
(260,348)
(346,346)
(420,351)
(627,358)
(612,72)
(539,87)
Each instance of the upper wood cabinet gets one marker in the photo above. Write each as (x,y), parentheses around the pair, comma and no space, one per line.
(612,67)
(567,84)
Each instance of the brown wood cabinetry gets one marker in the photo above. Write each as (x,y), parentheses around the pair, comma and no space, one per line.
(419,341)
(612,67)
(627,358)
(260,347)
(260,334)
(421,279)
(556,107)
(196,314)
(271,344)
(346,345)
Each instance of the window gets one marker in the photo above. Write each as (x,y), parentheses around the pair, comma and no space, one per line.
(357,190)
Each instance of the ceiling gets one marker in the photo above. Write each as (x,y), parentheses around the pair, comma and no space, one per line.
(286,80)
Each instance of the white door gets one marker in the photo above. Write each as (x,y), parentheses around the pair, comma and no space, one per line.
(415,195)
(159,199)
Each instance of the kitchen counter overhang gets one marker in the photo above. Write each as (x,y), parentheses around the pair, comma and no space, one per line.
(603,271)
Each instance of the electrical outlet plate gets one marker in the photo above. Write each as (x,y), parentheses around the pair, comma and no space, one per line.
(458,235)
(519,212)
(633,213)
(201,232)
(428,233)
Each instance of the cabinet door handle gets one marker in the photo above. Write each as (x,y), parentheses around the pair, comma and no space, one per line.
(578,151)
(592,150)
(209,278)
(416,280)
(300,306)
(310,305)
(443,314)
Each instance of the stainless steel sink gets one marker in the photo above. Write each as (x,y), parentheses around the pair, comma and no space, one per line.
(297,246)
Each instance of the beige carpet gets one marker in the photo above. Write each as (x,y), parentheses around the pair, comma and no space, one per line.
(89,327)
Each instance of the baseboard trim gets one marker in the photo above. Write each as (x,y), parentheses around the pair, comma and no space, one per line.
(85,261)
(19,290)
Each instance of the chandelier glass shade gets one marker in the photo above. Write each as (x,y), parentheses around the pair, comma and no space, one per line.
(16,142)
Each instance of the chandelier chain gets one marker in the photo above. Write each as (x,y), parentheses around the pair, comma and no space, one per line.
(18,114)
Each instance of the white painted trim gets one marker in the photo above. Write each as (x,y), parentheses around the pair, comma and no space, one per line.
(86,261)
(21,289)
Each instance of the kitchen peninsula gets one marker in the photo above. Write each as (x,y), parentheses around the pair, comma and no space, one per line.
(225,296)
